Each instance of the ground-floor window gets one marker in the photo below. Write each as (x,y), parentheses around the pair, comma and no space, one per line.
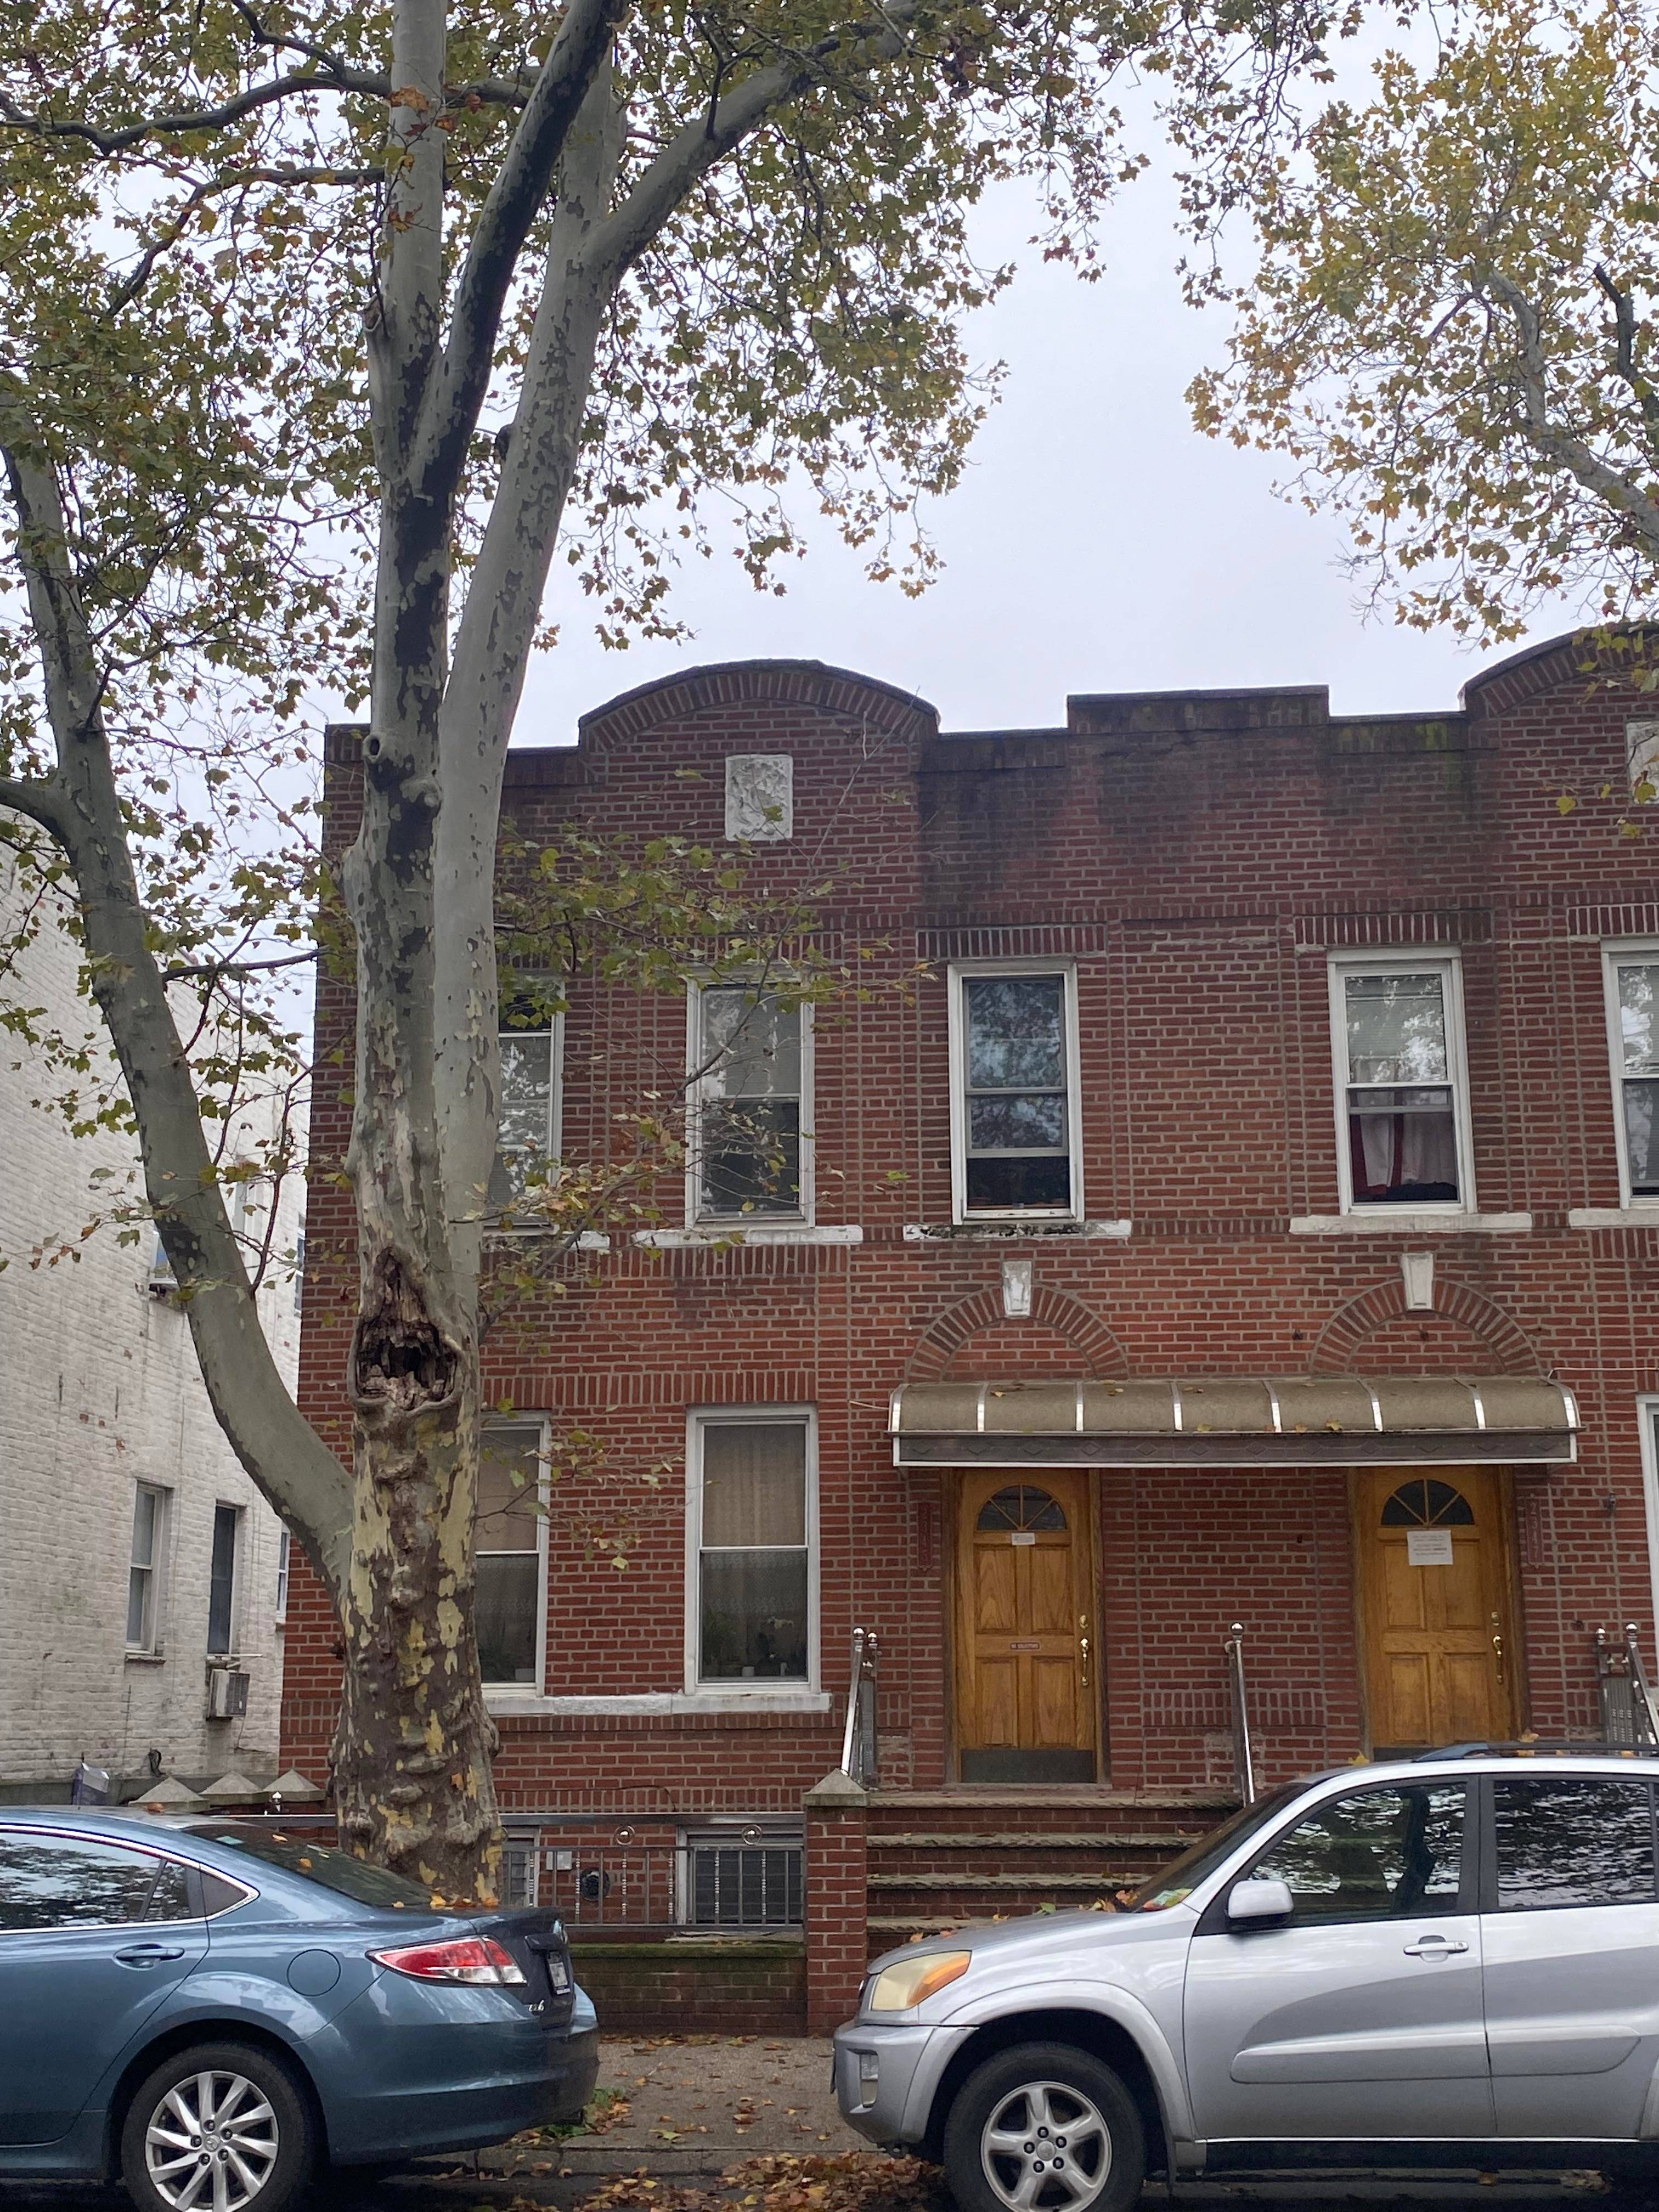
(750,1529)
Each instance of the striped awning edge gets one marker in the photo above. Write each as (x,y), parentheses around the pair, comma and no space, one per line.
(1234,1420)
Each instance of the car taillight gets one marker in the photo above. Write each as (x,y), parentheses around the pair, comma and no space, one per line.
(465,1959)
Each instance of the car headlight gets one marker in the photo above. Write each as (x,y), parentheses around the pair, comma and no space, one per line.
(897,1988)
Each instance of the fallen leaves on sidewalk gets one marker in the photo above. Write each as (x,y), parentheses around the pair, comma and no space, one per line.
(855,2181)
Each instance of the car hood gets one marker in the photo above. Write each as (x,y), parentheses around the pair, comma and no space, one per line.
(1044,1932)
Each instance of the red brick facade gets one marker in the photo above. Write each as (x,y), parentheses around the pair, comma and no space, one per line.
(1198,857)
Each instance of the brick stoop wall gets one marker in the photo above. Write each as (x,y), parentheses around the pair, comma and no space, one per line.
(711,1988)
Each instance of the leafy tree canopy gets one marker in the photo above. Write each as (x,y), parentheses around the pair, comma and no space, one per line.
(1446,324)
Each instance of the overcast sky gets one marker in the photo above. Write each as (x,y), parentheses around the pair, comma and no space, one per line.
(1098,543)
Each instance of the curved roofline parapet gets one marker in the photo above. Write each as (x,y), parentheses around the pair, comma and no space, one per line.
(1513,663)
(729,683)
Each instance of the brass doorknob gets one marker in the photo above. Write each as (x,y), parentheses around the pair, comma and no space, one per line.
(1497,1649)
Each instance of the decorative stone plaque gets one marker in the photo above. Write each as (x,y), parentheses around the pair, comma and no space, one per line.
(760,797)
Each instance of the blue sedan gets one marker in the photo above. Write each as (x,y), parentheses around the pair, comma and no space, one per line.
(211,2009)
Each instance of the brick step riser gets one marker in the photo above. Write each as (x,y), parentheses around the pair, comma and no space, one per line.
(972,1899)
(1039,1820)
(899,1928)
(1167,1840)
(968,1869)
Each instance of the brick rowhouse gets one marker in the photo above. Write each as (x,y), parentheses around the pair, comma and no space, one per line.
(1197,868)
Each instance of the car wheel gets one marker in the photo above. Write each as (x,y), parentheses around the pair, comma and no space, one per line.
(1044,2128)
(221,2127)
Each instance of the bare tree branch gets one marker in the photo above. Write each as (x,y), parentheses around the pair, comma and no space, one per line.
(280,1449)
(1624,309)
(516,197)
(1557,446)
(41,802)
(187,121)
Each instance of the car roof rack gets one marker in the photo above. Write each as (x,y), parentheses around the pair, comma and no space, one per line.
(1524,1748)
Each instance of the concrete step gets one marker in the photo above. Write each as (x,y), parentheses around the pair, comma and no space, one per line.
(1169,1841)
(1037,1881)
(976,1796)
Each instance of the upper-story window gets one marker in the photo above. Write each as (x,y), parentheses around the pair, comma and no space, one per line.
(1632,976)
(1015,1138)
(750,1144)
(1402,1094)
(527,1133)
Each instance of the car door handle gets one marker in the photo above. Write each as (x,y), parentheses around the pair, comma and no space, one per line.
(1435,1947)
(147,1954)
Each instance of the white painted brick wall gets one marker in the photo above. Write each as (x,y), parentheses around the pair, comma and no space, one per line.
(100,1390)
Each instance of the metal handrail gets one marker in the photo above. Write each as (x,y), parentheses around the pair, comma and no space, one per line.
(858,1743)
(1243,1756)
(1629,1713)
(1647,1710)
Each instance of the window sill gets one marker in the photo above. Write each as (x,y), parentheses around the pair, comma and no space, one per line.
(1002,1232)
(667,1702)
(746,1233)
(1412,1223)
(590,1239)
(146,1659)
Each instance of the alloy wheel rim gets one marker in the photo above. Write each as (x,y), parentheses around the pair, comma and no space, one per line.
(1046,2148)
(211,2142)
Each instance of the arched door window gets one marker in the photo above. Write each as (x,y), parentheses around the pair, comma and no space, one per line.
(1423,1503)
(1022,1507)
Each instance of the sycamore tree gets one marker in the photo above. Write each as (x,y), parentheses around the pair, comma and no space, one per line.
(328,329)
(1447,319)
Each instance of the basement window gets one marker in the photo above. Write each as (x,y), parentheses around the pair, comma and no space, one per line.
(748,1881)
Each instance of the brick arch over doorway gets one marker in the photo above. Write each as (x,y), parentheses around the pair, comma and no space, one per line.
(1100,1357)
(1339,1347)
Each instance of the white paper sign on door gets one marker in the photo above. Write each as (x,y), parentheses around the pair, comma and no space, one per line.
(1429,1547)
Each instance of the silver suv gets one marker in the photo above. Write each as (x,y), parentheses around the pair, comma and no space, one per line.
(1451,1962)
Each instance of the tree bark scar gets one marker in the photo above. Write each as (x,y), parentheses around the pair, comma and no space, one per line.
(401,1360)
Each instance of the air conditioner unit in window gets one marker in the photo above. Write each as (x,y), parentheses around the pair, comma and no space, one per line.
(227,1693)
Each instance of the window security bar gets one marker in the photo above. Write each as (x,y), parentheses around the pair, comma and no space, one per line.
(644,1876)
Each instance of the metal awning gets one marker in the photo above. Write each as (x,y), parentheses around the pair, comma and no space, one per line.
(1319,1421)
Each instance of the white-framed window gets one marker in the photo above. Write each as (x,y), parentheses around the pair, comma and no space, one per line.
(510,1552)
(283,1544)
(1632,989)
(145,1568)
(1402,1111)
(1016,1117)
(530,1112)
(749,1151)
(1647,1416)
(751,1549)
(222,1581)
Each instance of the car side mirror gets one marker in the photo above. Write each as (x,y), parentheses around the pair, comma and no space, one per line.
(1254,1903)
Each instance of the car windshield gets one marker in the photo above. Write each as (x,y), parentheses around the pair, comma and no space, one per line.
(330,1867)
(1175,1883)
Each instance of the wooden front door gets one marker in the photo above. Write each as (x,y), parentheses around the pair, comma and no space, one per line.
(1025,1637)
(1440,1647)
